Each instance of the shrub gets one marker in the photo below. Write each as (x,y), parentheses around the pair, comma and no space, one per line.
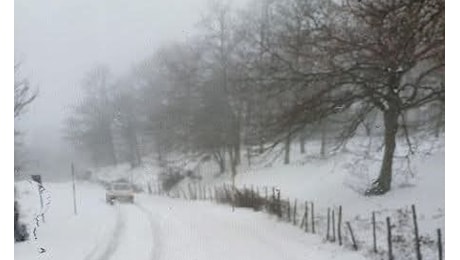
(170,179)
(20,230)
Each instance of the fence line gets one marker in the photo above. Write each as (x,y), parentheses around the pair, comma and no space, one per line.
(275,205)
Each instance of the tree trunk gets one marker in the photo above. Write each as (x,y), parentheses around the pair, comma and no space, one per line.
(248,154)
(369,147)
(237,153)
(368,129)
(233,175)
(247,127)
(383,183)
(440,120)
(261,147)
(238,138)
(221,166)
(302,142)
(111,147)
(287,149)
(233,165)
(220,161)
(323,139)
(134,145)
(137,151)
(160,155)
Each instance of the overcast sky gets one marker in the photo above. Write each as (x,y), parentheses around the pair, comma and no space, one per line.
(59,40)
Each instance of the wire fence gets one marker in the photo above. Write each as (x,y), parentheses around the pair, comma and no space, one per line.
(387,235)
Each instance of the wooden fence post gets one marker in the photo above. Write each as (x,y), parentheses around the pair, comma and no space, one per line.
(333,225)
(417,238)
(280,212)
(294,214)
(339,226)
(390,248)
(306,216)
(353,240)
(439,244)
(374,233)
(328,223)
(312,217)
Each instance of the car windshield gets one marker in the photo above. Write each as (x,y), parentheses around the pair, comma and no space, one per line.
(121,186)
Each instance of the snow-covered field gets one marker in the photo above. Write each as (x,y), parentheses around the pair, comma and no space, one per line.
(160,228)
(64,235)
(163,228)
(340,179)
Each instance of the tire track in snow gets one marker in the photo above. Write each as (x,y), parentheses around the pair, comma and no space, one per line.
(113,243)
(155,253)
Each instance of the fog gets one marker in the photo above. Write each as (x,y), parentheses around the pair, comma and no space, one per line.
(153,80)
(251,105)
(58,41)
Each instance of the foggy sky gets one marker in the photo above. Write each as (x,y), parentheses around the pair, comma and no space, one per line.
(58,41)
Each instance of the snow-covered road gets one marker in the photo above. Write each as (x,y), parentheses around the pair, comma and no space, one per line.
(133,232)
(156,228)
(202,230)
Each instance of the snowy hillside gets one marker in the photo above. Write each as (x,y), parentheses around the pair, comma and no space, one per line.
(339,179)
(99,230)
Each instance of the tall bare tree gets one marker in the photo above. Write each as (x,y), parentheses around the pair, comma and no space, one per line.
(384,55)
(90,127)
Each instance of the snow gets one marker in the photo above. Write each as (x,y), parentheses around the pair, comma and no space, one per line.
(342,178)
(201,230)
(64,235)
(164,228)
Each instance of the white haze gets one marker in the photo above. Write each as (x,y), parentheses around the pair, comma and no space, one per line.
(58,41)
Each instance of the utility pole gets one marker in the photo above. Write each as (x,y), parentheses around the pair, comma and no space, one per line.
(73,187)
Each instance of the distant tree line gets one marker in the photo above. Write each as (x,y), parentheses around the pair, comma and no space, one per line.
(272,74)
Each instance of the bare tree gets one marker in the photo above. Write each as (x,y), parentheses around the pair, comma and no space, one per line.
(91,126)
(380,55)
(23,94)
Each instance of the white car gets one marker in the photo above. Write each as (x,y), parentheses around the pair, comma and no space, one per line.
(120,191)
